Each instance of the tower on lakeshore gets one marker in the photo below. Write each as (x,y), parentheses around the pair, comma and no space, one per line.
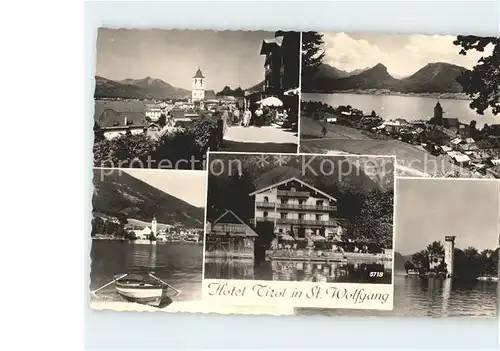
(438,113)
(449,246)
(198,87)
(154,226)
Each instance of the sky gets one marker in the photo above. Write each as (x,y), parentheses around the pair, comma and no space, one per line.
(187,185)
(225,57)
(403,55)
(429,209)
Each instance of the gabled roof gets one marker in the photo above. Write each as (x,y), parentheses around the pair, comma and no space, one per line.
(248,231)
(268,45)
(112,118)
(291,180)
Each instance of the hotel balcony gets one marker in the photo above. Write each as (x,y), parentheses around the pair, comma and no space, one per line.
(265,204)
(320,208)
(227,228)
(288,193)
(305,222)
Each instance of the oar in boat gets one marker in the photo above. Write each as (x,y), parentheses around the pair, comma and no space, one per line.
(161,281)
(111,282)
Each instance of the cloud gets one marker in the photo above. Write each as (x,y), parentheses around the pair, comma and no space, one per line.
(403,55)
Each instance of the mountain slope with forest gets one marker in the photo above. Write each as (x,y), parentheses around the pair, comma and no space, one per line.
(120,194)
(146,88)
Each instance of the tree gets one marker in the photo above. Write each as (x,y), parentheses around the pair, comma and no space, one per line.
(421,259)
(162,121)
(435,249)
(482,83)
(98,133)
(374,223)
(312,56)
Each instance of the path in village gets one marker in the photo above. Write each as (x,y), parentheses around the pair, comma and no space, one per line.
(260,139)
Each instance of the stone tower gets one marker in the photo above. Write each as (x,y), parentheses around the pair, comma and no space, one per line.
(198,87)
(154,228)
(449,246)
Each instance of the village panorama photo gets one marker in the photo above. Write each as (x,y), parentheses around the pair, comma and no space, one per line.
(430,100)
(299,219)
(165,97)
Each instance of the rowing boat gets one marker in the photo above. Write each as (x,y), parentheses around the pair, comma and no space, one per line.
(141,288)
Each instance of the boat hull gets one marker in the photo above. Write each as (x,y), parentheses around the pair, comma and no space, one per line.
(140,292)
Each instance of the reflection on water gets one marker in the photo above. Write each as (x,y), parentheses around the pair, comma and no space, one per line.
(179,264)
(298,271)
(416,296)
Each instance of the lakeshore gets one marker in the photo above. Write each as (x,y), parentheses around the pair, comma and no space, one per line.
(386,92)
(439,147)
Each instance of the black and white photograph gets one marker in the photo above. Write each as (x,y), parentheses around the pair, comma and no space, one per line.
(430,100)
(447,235)
(147,239)
(300,218)
(165,97)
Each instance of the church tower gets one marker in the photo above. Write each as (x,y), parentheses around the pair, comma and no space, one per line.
(198,87)
(154,227)
(438,113)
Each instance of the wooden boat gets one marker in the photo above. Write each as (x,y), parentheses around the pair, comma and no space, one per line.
(141,288)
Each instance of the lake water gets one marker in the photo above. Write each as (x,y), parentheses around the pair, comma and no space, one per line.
(407,107)
(355,272)
(179,264)
(430,297)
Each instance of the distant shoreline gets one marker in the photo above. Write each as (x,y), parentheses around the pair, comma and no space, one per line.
(384,92)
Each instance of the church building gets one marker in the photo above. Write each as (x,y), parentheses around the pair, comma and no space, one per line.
(198,87)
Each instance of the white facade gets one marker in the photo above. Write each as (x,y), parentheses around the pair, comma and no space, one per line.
(198,87)
(307,212)
(153,114)
(113,133)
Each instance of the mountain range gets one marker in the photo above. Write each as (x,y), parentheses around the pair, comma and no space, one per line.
(119,193)
(146,88)
(437,77)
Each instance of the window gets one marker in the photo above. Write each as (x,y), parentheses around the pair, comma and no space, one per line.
(319,202)
(266,199)
(280,230)
(283,215)
(284,201)
(301,202)
(318,217)
(266,214)
(302,216)
(293,189)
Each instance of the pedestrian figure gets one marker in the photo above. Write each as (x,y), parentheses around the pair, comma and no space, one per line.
(323,131)
(246,117)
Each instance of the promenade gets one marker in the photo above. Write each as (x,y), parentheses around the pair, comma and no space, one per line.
(260,139)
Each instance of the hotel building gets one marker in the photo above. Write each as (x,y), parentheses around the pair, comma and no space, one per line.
(295,206)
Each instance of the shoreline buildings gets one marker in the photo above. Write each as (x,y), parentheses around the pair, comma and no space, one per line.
(229,237)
